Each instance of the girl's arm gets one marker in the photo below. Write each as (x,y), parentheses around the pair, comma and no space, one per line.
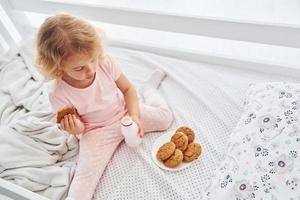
(131,100)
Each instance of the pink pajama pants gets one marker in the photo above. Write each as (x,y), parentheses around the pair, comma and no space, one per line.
(97,146)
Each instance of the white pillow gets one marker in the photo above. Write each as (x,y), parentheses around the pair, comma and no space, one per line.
(262,161)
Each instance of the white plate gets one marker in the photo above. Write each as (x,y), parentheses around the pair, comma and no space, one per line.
(157,144)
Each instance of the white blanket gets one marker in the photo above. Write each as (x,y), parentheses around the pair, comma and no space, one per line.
(34,152)
(205,97)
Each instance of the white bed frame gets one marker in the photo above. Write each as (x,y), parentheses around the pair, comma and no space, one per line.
(249,31)
(271,34)
(10,191)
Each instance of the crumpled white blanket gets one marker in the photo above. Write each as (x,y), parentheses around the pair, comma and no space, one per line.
(34,153)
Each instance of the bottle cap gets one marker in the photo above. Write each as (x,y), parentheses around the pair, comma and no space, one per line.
(126,121)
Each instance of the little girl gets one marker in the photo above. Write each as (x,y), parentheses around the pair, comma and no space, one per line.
(70,51)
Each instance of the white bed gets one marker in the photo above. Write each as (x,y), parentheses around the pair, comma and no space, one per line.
(206,97)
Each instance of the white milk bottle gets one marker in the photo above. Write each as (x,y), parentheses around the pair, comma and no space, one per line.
(129,130)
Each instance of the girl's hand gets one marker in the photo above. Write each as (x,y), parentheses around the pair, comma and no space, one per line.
(72,124)
(139,124)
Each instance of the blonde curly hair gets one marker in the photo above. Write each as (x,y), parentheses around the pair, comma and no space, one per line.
(62,35)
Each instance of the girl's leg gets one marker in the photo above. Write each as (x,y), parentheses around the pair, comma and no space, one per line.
(96,150)
(155,113)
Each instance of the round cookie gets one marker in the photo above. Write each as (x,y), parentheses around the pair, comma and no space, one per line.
(65,111)
(175,159)
(192,152)
(180,140)
(188,132)
(165,151)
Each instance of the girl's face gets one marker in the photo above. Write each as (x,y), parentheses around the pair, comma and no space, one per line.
(80,67)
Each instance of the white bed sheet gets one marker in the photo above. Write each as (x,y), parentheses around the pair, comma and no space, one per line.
(208,98)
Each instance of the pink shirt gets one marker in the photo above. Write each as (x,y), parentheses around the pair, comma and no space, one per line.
(100,104)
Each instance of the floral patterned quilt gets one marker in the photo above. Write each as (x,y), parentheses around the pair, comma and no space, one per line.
(262,161)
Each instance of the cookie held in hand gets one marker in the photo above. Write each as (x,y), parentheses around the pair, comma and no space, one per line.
(192,152)
(180,140)
(175,159)
(65,111)
(165,151)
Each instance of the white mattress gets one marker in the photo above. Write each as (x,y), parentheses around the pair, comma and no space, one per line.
(205,97)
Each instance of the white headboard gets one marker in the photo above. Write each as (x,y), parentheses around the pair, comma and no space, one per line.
(235,30)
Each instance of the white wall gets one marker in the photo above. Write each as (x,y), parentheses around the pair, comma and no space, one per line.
(263,11)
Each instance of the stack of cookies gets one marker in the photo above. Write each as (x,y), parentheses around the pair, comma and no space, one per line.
(181,148)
